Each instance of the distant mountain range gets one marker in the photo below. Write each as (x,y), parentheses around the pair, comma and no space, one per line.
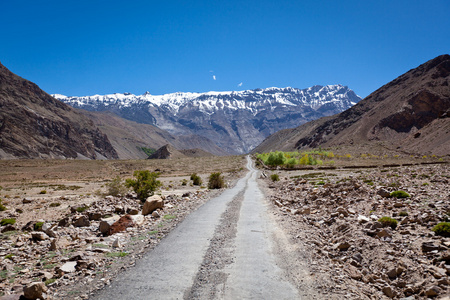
(410,114)
(235,121)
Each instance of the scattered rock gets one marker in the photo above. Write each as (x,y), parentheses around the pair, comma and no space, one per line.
(152,203)
(35,290)
(121,225)
(82,221)
(39,236)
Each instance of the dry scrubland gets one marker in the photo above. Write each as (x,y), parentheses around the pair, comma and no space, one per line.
(335,215)
(58,206)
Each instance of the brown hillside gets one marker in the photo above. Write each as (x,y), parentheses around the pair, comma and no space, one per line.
(128,137)
(411,114)
(35,125)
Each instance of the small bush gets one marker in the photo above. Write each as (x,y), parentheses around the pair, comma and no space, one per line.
(275,177)
(387,221)
(291,162)
(184,182)
(50,281)
(55,204)
(2,207)
(43,192)
(442,229)
(5,222)
(403,214)
(38,226)
(196,180)
(216,181)
(81,209)
(116,254)
(116,187)
(145,183)
(9,256)
(400,194)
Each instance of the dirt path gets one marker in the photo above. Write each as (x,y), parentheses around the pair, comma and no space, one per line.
(224,250)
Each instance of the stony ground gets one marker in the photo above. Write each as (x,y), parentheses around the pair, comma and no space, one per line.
(59,237)
(335,214)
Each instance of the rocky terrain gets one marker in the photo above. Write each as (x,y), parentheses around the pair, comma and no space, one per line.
(235,121)
(81,242)
(409,114)
(35,125)
(336,215)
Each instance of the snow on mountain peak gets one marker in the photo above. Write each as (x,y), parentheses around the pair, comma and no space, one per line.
(209,102)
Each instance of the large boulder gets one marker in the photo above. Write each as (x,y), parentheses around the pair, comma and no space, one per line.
(152,203)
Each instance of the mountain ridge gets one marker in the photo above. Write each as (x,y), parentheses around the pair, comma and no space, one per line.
(35,125)
(395,114)
(235,121)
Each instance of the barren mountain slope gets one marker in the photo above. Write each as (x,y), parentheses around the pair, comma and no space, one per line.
(35,125)
(410,113)
(128,137)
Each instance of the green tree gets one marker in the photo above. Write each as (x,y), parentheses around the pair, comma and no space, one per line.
(145,183)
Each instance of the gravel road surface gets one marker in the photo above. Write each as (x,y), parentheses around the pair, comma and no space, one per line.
(223,250)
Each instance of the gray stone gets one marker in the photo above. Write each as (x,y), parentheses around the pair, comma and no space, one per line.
(68,267)
(429,246)
(137,219)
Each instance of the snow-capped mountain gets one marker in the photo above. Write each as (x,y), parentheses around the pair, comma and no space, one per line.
(237,121)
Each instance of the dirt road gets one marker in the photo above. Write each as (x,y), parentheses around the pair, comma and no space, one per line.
(224,250)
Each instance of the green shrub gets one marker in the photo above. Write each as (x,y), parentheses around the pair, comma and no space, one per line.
(116,187)
(55,204)
(116,254)
(291,162)
(184,182)
(275,177)
(38,226)
(148,151)
(275,159)
(5,222)
(442,228)
(9,256)
(81,209)
(216,181)
(387,221)
(145,183)
(196,180)
(403,214)
(50,281)
(43,192)
(2,207)
(400,194)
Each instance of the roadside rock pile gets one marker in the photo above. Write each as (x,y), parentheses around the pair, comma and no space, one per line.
(80,252)
(340,217)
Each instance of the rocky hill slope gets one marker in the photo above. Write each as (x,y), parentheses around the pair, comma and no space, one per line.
(129,138)
(235,121)
(410,114)
(35,125)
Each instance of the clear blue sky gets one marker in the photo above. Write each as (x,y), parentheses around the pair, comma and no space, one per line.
(96,47)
